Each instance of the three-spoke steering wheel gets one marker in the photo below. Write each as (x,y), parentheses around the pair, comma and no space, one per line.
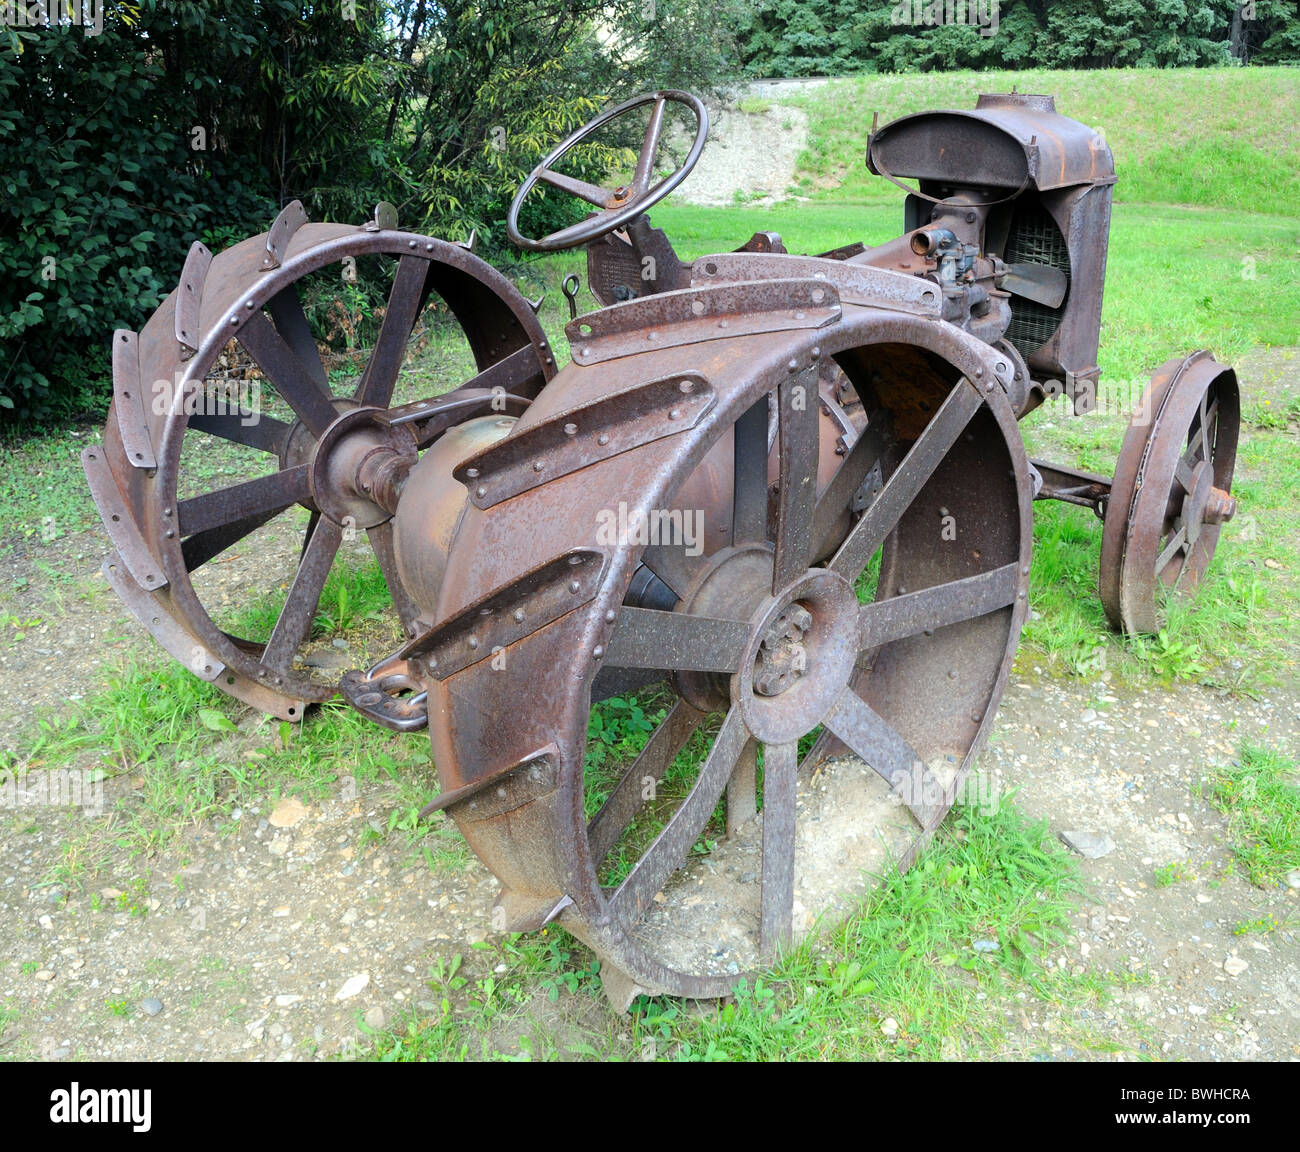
(618,206)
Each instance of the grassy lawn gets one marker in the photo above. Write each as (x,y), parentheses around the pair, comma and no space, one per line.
(1202,255)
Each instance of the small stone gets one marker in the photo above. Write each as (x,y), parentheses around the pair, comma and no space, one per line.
(1293,878)
(1269,562)
(375,1018)
(45,922)
(288,812)
(325,659)
(986,945)
(44,975)
(286,1001)
(339,643)
(151,1006)
(890,1027)
(279,846)
(348,918)
(1235,965)
(1090,845)
(352,986)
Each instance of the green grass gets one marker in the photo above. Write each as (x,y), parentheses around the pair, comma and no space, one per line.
(1179,136)
(1261,796)
(197,754)
(907,955)
(1202,201)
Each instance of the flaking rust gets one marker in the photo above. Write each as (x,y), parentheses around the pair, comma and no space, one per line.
(776,507)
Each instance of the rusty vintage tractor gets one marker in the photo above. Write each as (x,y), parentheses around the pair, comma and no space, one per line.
(782,500)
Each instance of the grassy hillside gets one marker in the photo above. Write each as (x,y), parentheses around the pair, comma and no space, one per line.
(1210,137)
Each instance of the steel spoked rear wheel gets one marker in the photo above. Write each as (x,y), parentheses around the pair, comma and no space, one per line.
(813,631)
(219,498)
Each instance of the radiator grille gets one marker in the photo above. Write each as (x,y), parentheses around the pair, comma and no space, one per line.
(1036,239)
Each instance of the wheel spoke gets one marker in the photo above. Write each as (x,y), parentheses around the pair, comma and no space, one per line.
(287,373)
(1201,444)
(797,494)
(1184,474)
(265,433)
(860,728)
(629,794)
(648,638)
(673,566)
(780,787)
(675,842)
(749,476)
(201,547)
(1177,542)
(381,540)
(380,376)
(867,451)
(294,624)
(271,493)
(591,193)
(742,790)
(930,608)
(649,146)
(907,481)
(312,521)
(291,323)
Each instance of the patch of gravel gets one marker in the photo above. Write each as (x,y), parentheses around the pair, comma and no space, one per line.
(749,154)
(849,833)
(1128,765)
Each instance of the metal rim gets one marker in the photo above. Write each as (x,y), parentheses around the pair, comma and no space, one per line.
(508,826)
(1161,451)
(253,297)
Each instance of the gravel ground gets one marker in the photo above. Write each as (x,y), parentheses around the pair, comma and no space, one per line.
(277,935)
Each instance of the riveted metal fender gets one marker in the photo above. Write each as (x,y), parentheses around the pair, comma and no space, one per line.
(508,730)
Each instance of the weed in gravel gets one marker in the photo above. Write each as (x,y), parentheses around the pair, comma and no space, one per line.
(1169,874)
(1260,795)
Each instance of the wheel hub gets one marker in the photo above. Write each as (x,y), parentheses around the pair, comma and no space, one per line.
(358,467)
(802,650)
(782,657)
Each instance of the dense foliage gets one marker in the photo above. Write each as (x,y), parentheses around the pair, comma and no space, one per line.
(835,37)
(197,119)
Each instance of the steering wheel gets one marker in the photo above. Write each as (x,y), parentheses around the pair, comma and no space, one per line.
(619,205)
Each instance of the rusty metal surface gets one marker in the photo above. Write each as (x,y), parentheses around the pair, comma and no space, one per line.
(1005,142)
(509,614)
(694,315)
(566,443)
(1171,490)
(854,283)
(129,401)
(465,702)
(1087,489)
(790,424)
(249,292)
